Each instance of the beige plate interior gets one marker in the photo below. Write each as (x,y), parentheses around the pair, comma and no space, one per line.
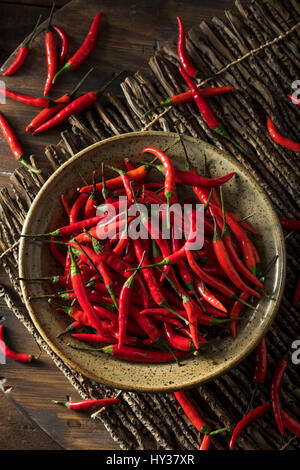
(242,194)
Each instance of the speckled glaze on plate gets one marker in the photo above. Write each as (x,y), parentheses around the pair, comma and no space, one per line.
(242,194)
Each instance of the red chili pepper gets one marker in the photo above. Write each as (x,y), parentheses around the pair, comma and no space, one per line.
(22,53)
(249,418)
(205,444)
(187,97)
(128,353)
(227,266)
(126,183)
(275,388)
(137,174)
(169,185)
(283,141)
(19,357)
(37,102)
(51,54)
(175,341)
(296,296)
(261,361)
(64,42)
(85,49)
(191,412)
(90,208)
(81,294)
(193,179)
(14,144)
(290,423)
(53,107)
(124,305)
(74,107)
(290,224)
(88,405)
(208,296)
(208,114)
(183,55)
(236,310)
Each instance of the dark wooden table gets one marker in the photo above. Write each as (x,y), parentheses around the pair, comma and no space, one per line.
(130,32)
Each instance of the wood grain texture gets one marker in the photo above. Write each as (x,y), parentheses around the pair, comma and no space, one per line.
(128,35)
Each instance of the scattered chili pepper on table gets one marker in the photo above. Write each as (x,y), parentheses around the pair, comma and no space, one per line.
(64,43)
(85,49)
(8,352)
(14,144)
(51,54)
(275,389)
(22,53)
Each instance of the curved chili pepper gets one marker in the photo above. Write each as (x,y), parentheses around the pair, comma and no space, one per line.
(74,107)
(22,53)
(290,423)
(37,102)
(283,141)
(133,354)
(208,296)
(227,266)
(53,107)
(249,418)
(126,183)
(192,179)
(65,204)
(187,97)
(275,387)
(124,305)
(88,405)
(183,55)
(191,412)
(261,366)
(169,172)
(14,144)
(51,54)
(15,356)
(182,343)
(85,49)
(64,42)
(290,224)
(76,207)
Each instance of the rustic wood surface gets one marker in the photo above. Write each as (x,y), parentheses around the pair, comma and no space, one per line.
(129,34)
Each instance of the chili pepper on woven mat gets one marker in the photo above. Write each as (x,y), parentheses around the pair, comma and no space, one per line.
(76,106)
(187,97)
(87,405)
(8,352)
(84,50)
(22,52)
(281,140)
(14,144)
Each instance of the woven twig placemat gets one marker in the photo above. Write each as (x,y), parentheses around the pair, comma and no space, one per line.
(256,51)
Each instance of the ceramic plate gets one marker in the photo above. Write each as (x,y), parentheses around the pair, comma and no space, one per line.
(242,195)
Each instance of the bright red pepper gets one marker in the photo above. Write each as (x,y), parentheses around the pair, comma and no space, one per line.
(51,54)
(87,405)
(275,388)
(183,55)
(14,144)
(22,53)
(85,49)
(7,352)
(64,43)
(253,415)
(283,141)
